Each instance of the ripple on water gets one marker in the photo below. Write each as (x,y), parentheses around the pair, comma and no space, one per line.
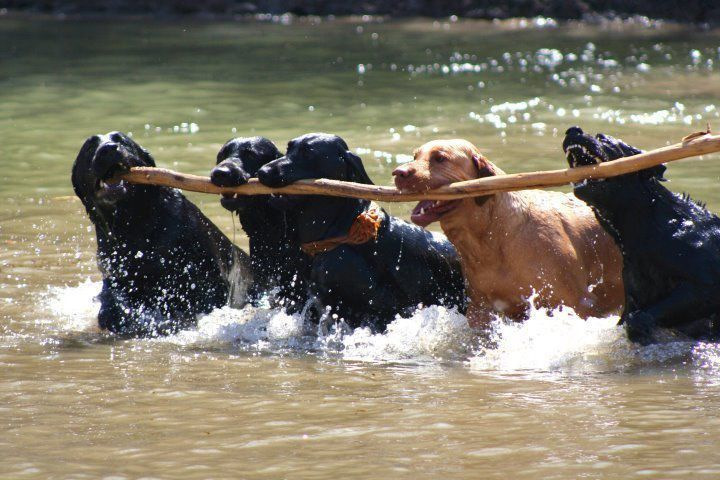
(549,341)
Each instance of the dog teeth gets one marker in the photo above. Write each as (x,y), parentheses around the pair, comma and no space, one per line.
(570,155)
(577,145)
(433,205)
(103,184)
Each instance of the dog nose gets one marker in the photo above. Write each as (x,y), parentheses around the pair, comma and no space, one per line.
(404,171)
(270,177)
(574,131)
(227,175)
(107,149)
(107,157)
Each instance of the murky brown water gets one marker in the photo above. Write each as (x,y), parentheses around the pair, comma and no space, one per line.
(245,394)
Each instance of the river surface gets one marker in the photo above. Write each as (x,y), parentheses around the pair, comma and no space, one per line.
(245,394)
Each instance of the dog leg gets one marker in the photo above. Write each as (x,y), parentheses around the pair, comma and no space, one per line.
(111,316)
(344,280)
(480,315)
(687,309)
(687,302)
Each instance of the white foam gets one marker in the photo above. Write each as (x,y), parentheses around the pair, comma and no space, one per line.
(433,332)
(430,333)
(549,341)
(72,308)
(557,340)
(262,328)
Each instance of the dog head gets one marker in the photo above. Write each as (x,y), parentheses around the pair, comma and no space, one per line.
(582,149)
(436,164)
(317,155)
(102,157)
(238,161)
(314,155)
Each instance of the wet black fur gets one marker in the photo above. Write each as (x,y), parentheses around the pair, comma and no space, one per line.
(364,284)
(670,246)
(162,261)
(278,264)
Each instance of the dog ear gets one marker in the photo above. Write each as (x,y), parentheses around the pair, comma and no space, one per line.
(82,164)
(628,150)
(482,167)
(483,170)
(657,171)
(356,169)
(147,157)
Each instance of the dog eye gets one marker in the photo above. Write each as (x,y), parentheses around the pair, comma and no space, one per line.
(439,158)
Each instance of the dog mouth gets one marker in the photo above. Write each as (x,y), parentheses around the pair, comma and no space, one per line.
(236,202)
(232,201)
(286,203)
(110,193)
(429,211)
(108,188)
(578,155)
(582,150)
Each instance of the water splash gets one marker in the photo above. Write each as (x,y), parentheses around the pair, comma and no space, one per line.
(556,340)
(262,329)
(550,341)
(72,308)
(433,332)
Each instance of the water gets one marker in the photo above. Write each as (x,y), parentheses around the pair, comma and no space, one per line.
(252,393)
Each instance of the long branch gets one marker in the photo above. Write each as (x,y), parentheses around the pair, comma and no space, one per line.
(699,145)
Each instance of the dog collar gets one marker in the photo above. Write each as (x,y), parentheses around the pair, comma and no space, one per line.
(364,228)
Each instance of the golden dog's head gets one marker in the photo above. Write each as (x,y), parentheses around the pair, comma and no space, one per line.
(438,163)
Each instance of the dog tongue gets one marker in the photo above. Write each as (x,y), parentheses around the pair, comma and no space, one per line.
(422,214)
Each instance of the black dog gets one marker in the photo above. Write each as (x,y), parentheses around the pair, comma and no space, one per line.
(277,262)
(163,262)
(670,244)
(367,266)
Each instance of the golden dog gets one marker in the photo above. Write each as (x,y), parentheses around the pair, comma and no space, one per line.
(518,244)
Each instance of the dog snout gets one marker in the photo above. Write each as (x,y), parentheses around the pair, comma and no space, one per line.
(109,149)
(270,176)
(404,176)
(404,171)
(228,174)
(107,160)
(574,131)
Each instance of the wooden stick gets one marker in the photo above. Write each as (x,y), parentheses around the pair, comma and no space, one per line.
(693,145)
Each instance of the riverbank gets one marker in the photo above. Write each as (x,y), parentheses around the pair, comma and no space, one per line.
(689,11)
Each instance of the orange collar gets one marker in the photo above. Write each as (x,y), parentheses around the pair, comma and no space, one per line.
(364,228)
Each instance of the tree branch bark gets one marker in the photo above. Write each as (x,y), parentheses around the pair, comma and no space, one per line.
(691,146)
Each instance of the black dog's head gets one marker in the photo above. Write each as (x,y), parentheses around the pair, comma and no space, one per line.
(238,161)
(314,155)
(582,149)
(100,158)
(317,155)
